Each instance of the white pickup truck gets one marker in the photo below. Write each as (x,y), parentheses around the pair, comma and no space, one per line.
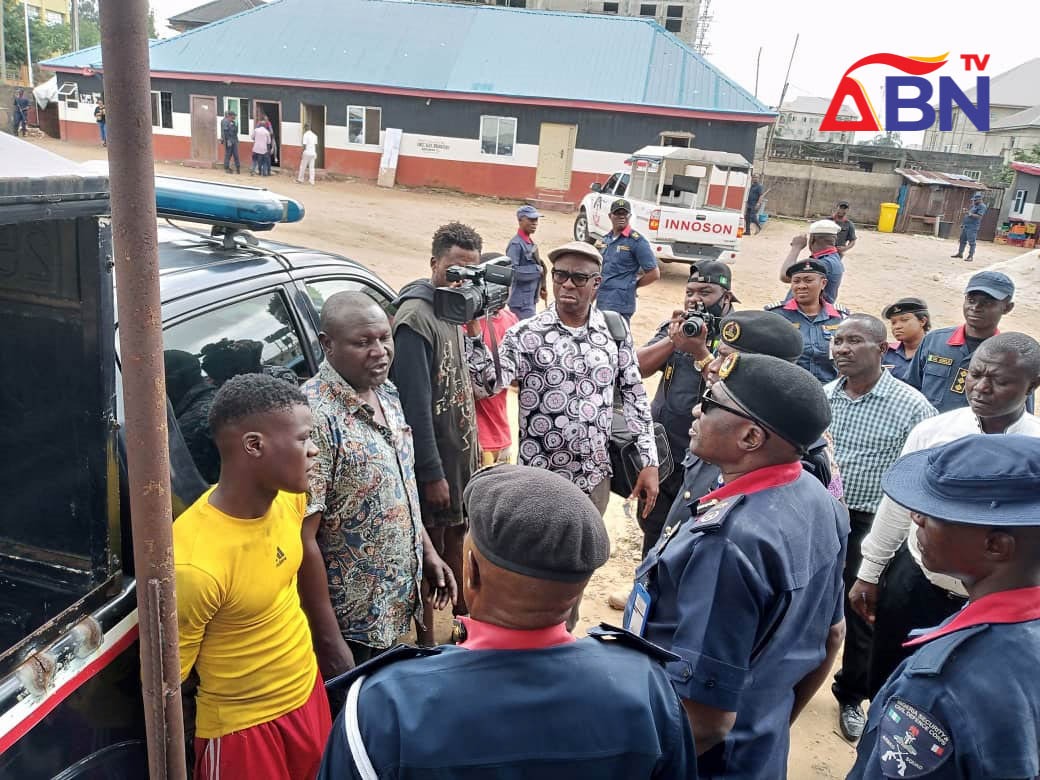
(689,203)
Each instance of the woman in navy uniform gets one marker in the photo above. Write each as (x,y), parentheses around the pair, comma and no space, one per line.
(910,321)
(518,697)
(747,590)
(966,704)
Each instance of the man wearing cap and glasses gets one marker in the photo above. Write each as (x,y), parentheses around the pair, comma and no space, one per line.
(970,227)
(941,363)
(517,695)
(893,591)
(966,703)
(567,364)
(910,321)
(682,359)
(748,589)
(529,282)
(821,239)
(846,237)
(628,263)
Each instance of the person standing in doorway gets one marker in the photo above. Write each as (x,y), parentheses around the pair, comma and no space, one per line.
(261,137)
(970,227)
(310,153)
(272,149)
(529,283)
(99,117)
(229,137)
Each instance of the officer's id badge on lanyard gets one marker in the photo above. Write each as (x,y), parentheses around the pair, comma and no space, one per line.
(637,610)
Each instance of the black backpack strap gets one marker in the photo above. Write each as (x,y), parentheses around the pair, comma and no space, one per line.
(616,325)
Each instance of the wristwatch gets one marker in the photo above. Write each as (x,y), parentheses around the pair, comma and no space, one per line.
(702,364)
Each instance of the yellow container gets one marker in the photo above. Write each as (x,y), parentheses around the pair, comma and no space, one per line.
(887,218)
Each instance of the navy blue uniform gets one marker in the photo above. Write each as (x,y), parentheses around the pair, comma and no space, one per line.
(587,709)
(970,227)
(624,255)
(527,275)
(896,361)
(745,591)
(816,333)
(966,704)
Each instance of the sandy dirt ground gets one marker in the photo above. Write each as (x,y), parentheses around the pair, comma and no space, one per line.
(390,229)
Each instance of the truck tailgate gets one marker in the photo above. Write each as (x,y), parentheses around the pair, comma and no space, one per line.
(718,228)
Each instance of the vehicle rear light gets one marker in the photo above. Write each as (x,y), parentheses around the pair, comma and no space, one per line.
(655,219)
(740,231)
(741,227)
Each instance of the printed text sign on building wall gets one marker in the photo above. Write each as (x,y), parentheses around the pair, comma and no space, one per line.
(913,93)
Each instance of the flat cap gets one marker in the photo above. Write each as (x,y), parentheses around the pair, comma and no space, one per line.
(975,480)
(762,333)
(905,306)
(577,248)
(993,283)
(782,396)
(807,266)
(536,523)
(620,204)
(824,227)
(529,212)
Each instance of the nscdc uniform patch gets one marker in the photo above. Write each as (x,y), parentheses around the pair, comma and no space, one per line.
(913,743)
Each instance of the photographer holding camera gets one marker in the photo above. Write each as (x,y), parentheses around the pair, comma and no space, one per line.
(681,349)
(567,364)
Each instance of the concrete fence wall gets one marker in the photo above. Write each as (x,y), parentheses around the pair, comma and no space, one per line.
(812,191)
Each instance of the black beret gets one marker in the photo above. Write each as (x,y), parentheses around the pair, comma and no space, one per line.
(807,266)
(905,306)
(762,333)
(780,395)
(536,523)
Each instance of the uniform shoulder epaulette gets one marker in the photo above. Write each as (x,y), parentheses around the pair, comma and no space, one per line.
(634,234)
(712,514)
(930,658)
(774,305)
(393,655)
(607,633)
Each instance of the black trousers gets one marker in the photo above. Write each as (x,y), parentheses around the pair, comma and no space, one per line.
(851,682)
(654,522)
(906,600)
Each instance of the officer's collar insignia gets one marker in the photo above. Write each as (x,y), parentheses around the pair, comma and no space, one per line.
(913,742)
(728,365)
(731,331)
(711,514)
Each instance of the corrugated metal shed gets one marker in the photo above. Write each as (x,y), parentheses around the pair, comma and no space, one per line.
(940,179)
(211,12)
(1031,168)
(452,48)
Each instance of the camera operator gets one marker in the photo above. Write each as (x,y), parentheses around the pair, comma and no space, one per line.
(682,359)
(566,365)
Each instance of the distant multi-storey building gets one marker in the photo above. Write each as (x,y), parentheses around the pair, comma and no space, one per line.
(800,120)
(51,11)
(687,19)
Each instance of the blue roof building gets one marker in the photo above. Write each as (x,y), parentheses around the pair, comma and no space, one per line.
(492,100)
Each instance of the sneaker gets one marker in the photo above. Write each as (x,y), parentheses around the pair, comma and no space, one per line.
(618,599)
(969,258)
(851,721)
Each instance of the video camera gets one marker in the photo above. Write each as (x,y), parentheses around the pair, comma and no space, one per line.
(700,320)
(484,290)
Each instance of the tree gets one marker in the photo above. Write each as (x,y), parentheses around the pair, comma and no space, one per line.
(1030,155)
(887,138)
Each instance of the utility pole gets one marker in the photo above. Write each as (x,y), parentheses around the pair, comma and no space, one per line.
(28,48)
(131,165)
(780,105)
(758,65)
(75,25)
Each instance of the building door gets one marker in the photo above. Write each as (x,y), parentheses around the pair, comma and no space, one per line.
(203,128)
(272,112)
(555,156)
(314,115)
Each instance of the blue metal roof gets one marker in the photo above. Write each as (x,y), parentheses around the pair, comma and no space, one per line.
(452,48)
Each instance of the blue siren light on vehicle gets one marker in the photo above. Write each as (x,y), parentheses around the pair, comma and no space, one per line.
(230,205)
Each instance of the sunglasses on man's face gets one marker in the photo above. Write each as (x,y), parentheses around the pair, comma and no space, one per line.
(577,279)
(708,403)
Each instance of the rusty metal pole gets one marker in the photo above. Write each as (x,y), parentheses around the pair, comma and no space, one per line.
(124,48)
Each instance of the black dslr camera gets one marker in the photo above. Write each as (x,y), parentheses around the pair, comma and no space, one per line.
(484,290)
(699,320)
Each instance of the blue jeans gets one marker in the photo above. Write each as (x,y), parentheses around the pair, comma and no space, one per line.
(104,134)
(968,236)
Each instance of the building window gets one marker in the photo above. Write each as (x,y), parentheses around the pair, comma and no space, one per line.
(968,145)
(497,135)
(1020,202)
(68,91)
(947,148)
(673,25)
(973,175)
(241,108)
(33,11)
(364,124)
(610,8)
(53,18)
(162,109)
(675,12)
(648,9)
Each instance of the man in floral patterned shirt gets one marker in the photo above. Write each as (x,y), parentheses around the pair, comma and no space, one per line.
(365,549)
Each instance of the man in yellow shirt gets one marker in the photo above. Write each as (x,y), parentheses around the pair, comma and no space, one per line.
(262,710)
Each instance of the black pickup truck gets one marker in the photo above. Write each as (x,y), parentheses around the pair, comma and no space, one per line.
(70,694)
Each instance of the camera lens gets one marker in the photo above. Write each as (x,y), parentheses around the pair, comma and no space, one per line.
(692,327)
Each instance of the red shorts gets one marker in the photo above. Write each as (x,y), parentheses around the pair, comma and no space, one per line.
(286,748)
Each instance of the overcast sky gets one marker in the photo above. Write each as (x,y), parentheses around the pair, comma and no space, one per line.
(834,35)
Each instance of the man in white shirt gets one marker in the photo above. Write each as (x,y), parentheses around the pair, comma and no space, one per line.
(310,153)
(1003,373)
